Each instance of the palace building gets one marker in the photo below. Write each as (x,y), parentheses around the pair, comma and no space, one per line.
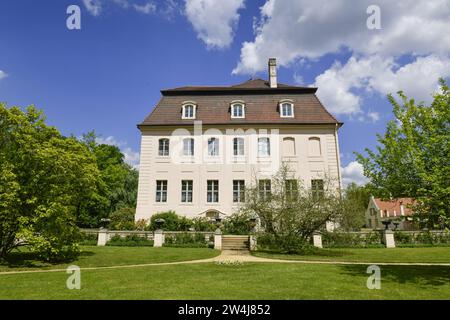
(201,146)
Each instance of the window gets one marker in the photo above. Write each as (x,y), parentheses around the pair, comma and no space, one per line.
(291,190)
(314,147)
(188,111)
(264,189)
(188,147)
(287,110)
(238,146)
(263,147)
(161,191)
(213,147)
(186,190)
(237,110)
(163,147)
(317,189)
(238,190)
(212,191)
(288,147)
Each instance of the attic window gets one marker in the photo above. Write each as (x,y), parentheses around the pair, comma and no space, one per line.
(189,111)
(237,110)
(286,109)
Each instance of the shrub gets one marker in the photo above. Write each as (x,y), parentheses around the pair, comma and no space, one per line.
(203,224)
(129,241)
(88,239)
(284,244)
(172,221)
(123,219)
(237,223)
(196,240)
(346,239)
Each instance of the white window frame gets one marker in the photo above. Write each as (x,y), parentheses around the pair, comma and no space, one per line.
(214,151)
(161,191)
(212,191)
(286,102)
(263,151)
(238,191)
(187,191)
(194,110)
(165,151)
(188,147)
(233,105)
(238,145)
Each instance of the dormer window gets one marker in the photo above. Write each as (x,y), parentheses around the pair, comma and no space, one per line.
(237,109)
(189,111)
(286,109)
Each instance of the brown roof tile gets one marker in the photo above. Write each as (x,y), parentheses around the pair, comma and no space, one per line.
(261,103)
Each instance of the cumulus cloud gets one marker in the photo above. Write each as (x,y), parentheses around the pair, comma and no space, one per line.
(2,75)
(94,7)
(299,30)
(214,21)
(130,156)
(147,8)
(418,79)
(293,29)
(353,172)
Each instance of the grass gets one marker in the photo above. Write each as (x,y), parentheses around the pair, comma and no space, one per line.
(248,281)
(421,255)
(93,256)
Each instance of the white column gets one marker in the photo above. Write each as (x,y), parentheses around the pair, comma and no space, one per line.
(317,240)
(158,239)
(102,237)
(218,240)
(388,238)
(253,244)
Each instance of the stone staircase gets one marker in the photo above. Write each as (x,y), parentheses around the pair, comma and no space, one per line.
(230,242)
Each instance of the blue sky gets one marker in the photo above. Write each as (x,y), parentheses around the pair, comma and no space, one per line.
(107,76)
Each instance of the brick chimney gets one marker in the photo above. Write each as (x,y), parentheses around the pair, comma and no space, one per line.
(273,72)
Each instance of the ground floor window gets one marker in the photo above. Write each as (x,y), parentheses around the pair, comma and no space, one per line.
(317,189)
(161,191)
(238,190)
(186,190)
(291,190)
(264,187)
(213,191)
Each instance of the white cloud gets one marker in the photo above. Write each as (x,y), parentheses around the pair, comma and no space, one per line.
(293,29)
(353,172)
(131,157)
(2,75)
(214,21)
(94,7)
(147,8)
(418,80)
(373,116)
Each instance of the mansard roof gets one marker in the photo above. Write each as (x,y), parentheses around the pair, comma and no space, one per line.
(261,105)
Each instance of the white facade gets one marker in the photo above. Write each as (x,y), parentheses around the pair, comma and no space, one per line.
(312,151)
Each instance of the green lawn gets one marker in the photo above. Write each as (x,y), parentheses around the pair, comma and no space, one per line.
(110,256)
(249,281)
(426,254)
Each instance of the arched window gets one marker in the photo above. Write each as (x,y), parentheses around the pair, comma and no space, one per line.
(314,148)
(163,149)
(188,147)
(238,146)
(238,110)
(288,147)
(189,110)
(286,109)
(213,146)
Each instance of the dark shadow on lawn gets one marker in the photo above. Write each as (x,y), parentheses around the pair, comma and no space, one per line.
(27,259)
(419,275)
(316,252)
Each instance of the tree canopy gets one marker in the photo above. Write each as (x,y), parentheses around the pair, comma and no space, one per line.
(413,156)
